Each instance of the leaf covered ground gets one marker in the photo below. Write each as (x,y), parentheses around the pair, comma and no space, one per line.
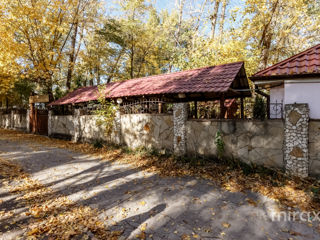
(233,176)
(49,216)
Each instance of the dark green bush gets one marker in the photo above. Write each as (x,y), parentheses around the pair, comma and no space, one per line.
(259,108)
(98,143)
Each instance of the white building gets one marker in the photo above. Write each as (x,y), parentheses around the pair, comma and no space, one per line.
(294,80)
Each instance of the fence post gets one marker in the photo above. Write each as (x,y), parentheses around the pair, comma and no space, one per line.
(12,119)
(28,121)
(76,125)
(117,128)
(296,138)
(180,116)
(49,123)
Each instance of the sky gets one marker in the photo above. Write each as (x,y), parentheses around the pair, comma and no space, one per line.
(169,5)
(164,4)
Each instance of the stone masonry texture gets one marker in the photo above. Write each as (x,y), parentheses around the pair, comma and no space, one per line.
(296,154)
(180,116)
(251,141)
(314,147)
(293,144)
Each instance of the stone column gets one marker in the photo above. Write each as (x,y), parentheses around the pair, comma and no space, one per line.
(50,122)
(296,157)
(76,126)
(117,128)
(28,121)
(12,119)
(180,116)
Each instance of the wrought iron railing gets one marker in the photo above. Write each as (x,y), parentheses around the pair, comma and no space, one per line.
(146,106)
(276,110)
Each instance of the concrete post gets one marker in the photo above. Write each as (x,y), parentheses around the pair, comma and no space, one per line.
(50,112)
(28,121)
(77,127)
(180,116)
(296,139)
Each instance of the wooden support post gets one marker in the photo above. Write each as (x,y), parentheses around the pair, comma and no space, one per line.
(160,107)
(32,118)
(242,107)
(222,108)
(196,109)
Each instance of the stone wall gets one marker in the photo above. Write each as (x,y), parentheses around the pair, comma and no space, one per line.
(147,130)
(293,144)
(314,147)
(296,151)
(5,120)
(251,141)
(91,131)
(135,130)
(20,121)
(14,121)
(62,125)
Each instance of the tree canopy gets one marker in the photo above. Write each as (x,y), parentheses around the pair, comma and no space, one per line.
(54,46)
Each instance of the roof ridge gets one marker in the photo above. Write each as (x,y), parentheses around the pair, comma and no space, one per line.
(189,70)
(287,60)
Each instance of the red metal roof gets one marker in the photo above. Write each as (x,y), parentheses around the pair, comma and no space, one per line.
(304,63)
(208,79)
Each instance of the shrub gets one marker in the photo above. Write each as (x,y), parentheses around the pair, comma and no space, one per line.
(107,111)
(259,108)
(98,143)
(219,144)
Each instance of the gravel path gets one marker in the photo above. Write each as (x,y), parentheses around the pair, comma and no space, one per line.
(131,200)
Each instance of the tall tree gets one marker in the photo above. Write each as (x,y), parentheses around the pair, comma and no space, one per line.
(214,17)
(222,18)
(43,30)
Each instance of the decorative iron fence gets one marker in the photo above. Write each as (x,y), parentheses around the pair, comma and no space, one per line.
(276,110)
(204,110)
(146,106)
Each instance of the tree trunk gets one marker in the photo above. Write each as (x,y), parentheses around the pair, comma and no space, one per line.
(131,58)
(72,56)
(214,17)
(266,38)
(222,18)
(180,6)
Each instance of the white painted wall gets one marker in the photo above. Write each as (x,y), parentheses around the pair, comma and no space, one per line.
(276,96)
(304,91)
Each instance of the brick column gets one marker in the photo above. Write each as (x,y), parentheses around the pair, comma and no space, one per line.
(76,126)
(50,122)
(296,139)
(180,116)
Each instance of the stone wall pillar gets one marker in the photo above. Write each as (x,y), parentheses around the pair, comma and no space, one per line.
(50,112)
(180,116)
(77,127)
(296,157)
(28,121)
(117,128)
(12,119)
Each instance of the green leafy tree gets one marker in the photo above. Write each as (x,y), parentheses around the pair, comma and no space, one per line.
(259,108)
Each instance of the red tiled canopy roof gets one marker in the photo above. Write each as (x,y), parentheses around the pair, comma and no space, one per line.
(202,80)
(304,63)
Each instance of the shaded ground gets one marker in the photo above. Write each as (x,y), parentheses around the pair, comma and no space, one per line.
(142,204)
